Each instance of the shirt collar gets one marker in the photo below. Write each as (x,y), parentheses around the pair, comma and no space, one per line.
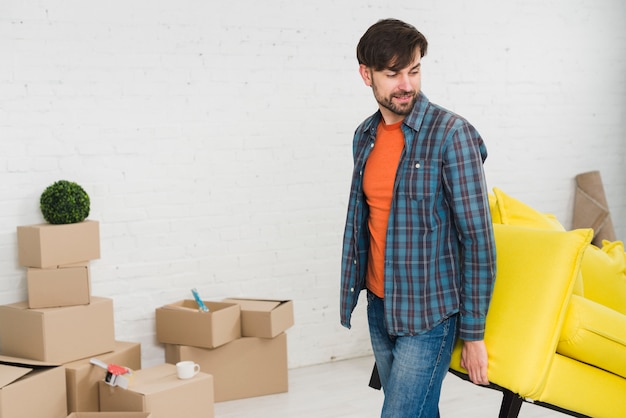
(416,117)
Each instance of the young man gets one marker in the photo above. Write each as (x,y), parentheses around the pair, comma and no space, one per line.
(418,234)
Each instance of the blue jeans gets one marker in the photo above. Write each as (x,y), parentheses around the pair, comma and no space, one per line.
(411,368)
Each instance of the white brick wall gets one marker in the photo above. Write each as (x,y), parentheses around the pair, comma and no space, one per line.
(214,139)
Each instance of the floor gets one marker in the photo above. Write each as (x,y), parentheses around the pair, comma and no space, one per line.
(340,390)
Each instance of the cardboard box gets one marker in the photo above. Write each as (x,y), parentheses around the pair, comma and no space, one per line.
(82,377)
(57,335)
(31,389)
(58,286)
(159,391)
(47,245)
(182,323)
(109,415)
(264,318)
(244,368)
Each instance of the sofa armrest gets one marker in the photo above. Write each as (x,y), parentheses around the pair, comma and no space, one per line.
(536,272)
(594,334)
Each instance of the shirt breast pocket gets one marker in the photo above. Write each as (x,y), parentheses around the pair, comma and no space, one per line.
(421,179)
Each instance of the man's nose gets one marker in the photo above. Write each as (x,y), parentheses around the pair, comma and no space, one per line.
(404,82)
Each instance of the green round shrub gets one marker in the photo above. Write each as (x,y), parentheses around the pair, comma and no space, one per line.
(64,202)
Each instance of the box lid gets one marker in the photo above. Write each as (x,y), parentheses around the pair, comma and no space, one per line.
(154,379)
(159,378)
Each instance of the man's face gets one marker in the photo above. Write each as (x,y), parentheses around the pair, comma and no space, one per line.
(395,91)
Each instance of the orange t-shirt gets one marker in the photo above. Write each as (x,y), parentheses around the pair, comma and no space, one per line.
(378,182)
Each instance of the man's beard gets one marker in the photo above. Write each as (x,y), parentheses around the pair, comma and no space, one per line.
(398,109)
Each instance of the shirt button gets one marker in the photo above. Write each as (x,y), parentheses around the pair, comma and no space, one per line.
(372,145)
(354,261)
(352,289)
(417,165)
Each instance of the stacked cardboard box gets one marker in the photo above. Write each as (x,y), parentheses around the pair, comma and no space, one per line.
(160,392)
(241,342)
(51,336)
(61,321)
(57,261)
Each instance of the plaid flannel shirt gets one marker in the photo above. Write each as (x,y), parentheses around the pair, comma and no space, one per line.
(440,251)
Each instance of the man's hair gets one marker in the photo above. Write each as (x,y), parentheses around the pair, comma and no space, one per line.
(390,44)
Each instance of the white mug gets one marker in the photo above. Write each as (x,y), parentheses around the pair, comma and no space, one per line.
(187,369)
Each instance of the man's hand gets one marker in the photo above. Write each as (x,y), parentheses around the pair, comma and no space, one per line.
(474,360)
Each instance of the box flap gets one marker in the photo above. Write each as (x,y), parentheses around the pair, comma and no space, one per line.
(25,362)
(14,368)
(259,305)
(9,374)
(185,305)
(190,305)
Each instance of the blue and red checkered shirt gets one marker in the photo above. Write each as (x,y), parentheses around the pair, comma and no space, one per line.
(440,251)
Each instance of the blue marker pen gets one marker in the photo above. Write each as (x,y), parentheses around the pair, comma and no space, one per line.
(201,306)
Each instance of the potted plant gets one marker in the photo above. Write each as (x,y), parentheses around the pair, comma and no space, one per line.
(64,202)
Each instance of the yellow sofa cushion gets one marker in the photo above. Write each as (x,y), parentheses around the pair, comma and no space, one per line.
(511,211)
(604,275)
(536,270)
(507,210)
(594,334)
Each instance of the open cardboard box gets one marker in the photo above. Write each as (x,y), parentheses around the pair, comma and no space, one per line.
(182,323)
(244,368)
(263,317)
(159,391)
(66,285)
(46,245)
(82,377)
(31,389)
(57,335)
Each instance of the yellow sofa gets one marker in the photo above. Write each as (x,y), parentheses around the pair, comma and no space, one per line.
(548,341)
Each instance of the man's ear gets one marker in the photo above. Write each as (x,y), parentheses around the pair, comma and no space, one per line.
(366,74)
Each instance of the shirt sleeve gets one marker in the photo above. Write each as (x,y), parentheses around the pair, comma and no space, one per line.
(464,181)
